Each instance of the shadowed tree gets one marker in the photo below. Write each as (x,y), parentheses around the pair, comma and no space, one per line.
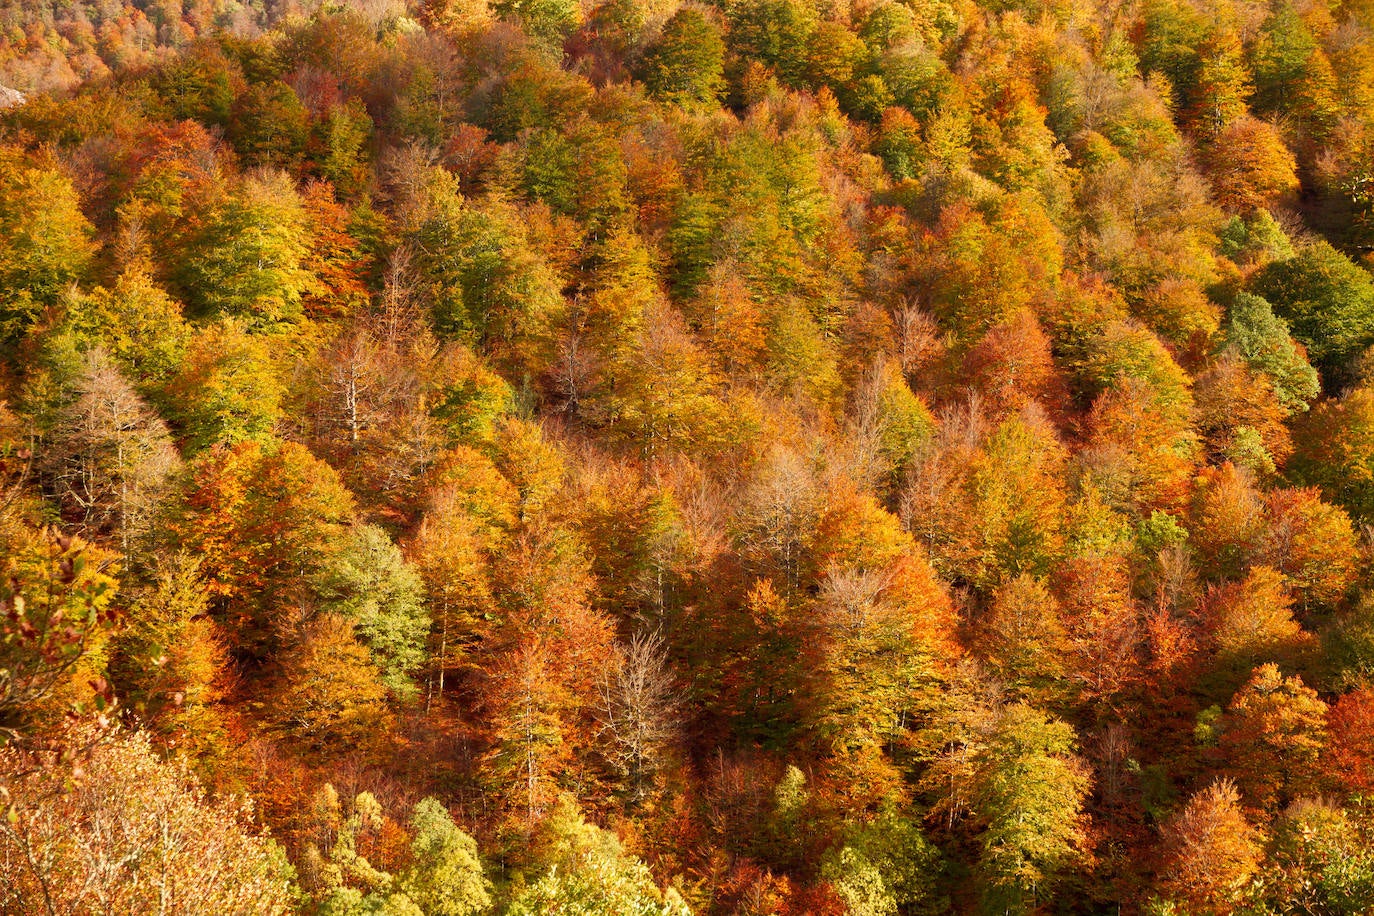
(108,458)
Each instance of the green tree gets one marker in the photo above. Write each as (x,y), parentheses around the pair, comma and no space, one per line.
(486,281)
(1321,859)
(686,65)
(885,867)
(591,875)
(227,390)
(370,583)
(547,20)
(445,875)
(1327,300)
(342,149)
(199,85)
(777,32)
(270,126)
(245,258)
(1261,338)
(1028,793)
(899,141)
(1293,76)
(137,323)
(1280,57)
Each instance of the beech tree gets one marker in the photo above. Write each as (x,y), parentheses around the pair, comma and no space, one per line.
(686,64)
(1240,418)
(331,693)
(1025,639)
(1219,86)
(370,583)
(531,709)
(590,873)
(137,324)
(1251,621)
(267,518)
(47,242)
(109,458)
(1337,452)
(1028,793)
(1250,166)
(1320,858)
(666,398)
(170,659)
(126,830)
(245,260)
(55,595)
(879,626)
(226,391)
(884,867)
(485,279)
(1211,851)
(469,517)
(1274,732)
(1262,340)
(640,713)
(445,876)
(1312,543)
(1327,300)
(1351,727)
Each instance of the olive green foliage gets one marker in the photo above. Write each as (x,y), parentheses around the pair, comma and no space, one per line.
(686,64)
(1327,300)
(591,874)
(370,583)
(246,260)
(1262,340)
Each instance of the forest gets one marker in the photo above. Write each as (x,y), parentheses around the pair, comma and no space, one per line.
(670,457)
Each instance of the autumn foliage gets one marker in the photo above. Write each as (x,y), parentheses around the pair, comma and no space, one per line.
(757,457)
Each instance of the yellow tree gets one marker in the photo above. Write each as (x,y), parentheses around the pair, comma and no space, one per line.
(1249,165)
(1273,735)
(470,512)
(46,240)
(126,831)
(331,692)
(1210,851)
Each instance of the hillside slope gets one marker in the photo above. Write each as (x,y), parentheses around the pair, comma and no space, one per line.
(775,457)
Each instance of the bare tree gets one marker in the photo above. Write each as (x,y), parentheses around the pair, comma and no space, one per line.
(779,509)
(109,457)
(919,340)
(356,389)
(640,712)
